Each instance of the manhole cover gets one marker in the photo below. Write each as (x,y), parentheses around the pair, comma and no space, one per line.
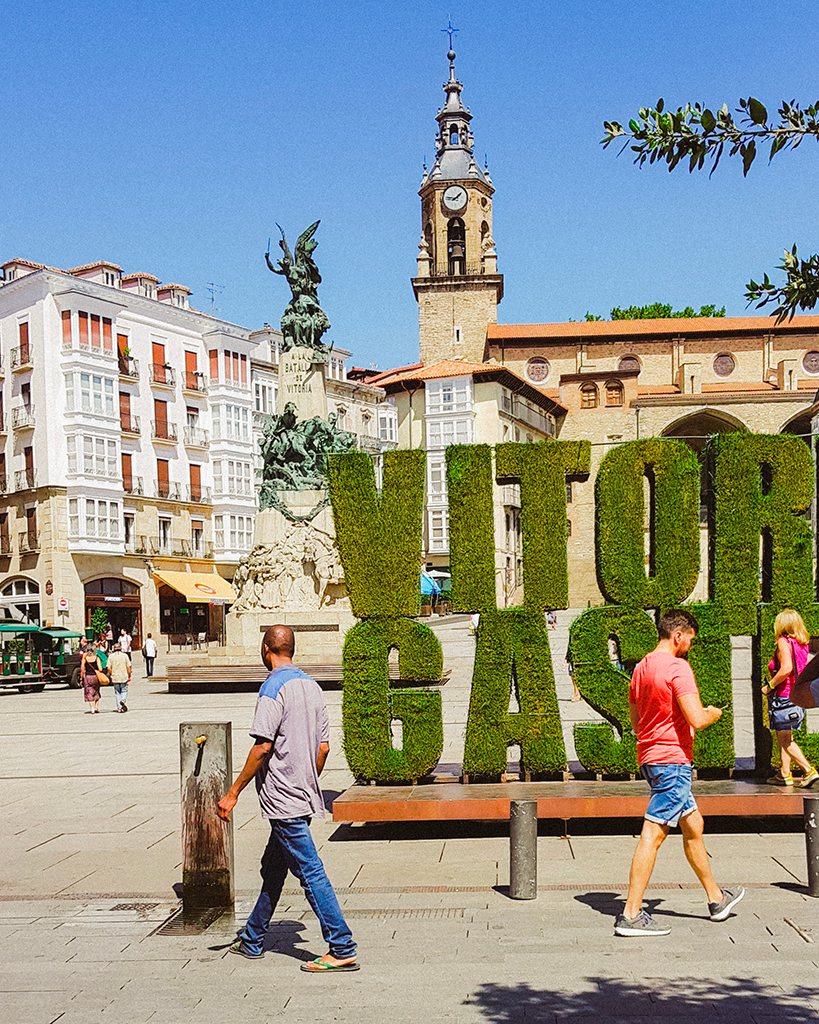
(190,922)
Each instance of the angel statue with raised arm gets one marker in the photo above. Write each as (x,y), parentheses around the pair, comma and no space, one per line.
(303,321)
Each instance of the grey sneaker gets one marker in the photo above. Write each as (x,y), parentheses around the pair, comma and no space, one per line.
(730,898)
(642,924)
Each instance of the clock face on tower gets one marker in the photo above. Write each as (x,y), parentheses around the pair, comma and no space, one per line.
(454,198)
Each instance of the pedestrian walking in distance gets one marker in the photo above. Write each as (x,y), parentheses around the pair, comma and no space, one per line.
(665,710)
(119,669)
(291,743)
(149,654)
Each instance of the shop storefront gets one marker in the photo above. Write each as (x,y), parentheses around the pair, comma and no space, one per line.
(121,602)
(193,603)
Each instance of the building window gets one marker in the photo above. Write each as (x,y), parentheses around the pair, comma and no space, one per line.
(217,477)
(443,433)
(810,363)
(537,369)
(20,600)
(387,425)
(449,396)
(197,543)
(164,536)
(71,450)
(628,363)
(614,393)
(219,531)
(265,397)
(436,477)
(568,492)
(73,517)
(438,530)
(588,396)
(128,530)
(724,364)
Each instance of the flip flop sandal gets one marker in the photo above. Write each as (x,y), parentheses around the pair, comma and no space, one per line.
(322,967)
(238,947)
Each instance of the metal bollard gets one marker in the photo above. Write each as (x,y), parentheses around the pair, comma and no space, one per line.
(523,849)
(811,809)
(206,765)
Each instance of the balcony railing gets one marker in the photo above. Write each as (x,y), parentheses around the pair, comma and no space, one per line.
(28,542)
(129,424)
(132,485)
(204,549)
(196,438)
(162,374)
(168,491)
(129,367)
(21,357)
(182,548)
(199,494)
(25,480)
(163,431)
(458,268)
(22,417)
(194,381)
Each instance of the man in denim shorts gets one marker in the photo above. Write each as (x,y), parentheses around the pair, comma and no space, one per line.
(665,710)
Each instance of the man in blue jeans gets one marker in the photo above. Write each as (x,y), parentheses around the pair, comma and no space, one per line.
(291,733)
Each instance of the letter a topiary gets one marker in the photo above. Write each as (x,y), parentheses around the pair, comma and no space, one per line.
(674,474)
(369,705)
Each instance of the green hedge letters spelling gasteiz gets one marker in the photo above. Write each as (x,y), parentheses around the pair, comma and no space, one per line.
(762,486)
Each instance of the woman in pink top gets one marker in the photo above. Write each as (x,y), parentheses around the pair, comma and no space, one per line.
(791,657)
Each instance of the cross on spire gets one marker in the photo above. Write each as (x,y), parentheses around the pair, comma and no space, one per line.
(450,31)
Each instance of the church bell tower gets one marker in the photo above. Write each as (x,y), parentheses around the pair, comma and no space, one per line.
(458,286)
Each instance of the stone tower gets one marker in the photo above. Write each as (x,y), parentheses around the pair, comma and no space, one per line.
(458,286)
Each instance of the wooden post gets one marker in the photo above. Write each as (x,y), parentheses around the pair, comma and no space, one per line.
(206,765)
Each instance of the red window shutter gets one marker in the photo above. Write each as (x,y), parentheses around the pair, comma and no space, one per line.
(83,320)
(24,335)
(107,334)
(214,364)
(122,344)
(127,477)
(236,367)
(228,373)
(96,337)
(66,316)
(162,478)
(196,482)
(244,369)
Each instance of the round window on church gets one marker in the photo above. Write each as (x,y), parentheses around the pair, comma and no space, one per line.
(724,365)
(810,363)
(537,369)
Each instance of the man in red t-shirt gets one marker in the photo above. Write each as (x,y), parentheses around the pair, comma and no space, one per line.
(665,710)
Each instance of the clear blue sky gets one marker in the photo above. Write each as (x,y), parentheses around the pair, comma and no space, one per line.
(170,137)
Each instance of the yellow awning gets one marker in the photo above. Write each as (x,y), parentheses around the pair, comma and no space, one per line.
(199,587)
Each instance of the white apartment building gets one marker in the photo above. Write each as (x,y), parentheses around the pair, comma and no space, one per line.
(126,450)
(129,430)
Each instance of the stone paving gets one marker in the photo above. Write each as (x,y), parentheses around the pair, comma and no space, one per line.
(89,926)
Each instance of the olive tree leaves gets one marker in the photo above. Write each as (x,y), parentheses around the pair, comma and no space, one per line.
(696,134)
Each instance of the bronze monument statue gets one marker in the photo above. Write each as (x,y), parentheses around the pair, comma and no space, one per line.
(303,322)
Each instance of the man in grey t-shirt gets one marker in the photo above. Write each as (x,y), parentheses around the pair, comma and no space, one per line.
(291,733)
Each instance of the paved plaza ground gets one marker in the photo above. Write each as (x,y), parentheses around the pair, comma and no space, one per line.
(90,851)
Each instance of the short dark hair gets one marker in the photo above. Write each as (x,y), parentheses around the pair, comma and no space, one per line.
(279,640)
(677,619)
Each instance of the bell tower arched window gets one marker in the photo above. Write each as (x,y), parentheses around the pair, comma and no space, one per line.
(456,246)
(454,138)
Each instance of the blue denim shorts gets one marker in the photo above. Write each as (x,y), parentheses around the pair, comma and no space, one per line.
(671,797)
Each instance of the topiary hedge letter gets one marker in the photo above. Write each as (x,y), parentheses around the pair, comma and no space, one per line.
(602,747)
(763,484)
(369,704)
(379,539)
(674,554)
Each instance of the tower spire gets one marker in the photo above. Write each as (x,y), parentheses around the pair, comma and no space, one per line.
(454,158)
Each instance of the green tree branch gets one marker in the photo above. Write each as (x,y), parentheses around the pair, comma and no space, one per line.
(697,134)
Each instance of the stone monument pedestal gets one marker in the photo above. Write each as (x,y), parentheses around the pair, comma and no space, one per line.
(293,576)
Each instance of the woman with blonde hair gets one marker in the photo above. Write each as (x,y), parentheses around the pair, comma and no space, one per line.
(792,650)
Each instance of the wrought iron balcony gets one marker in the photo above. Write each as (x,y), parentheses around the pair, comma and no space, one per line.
(22,417)
(129,424)
(129,367)
(132,485)
(25,480)
(196,438)
(168,491)
(28,542)
(204,549)
(199,494)
(21,357)
(162,374)
(161,430)
(194,381)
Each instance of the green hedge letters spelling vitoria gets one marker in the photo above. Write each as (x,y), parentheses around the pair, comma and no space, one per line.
(762,487)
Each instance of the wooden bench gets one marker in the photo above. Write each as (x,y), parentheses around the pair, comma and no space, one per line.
(248,678)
